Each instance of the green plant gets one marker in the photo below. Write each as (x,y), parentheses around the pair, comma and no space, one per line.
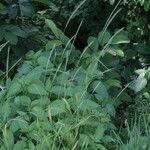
(12,10)
(137,135)
(60,95)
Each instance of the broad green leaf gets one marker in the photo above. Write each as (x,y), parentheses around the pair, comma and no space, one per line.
(33,126)
(31,145)
(93,43)
(57,107)
(25,8)
(111,2)
(92,70)
(12,38)
(146,95)
(38,112)
(23,100)
(42,102)
(18,124)
(61,91)
(59,34)
(9,139)
(63,79)
(20,145)
(17,31)
(123,97)
(25,68)
(14,89)
(37,54)
(138,84)
(140,71)
(2,94)
(30,54)
(143,48)
(52,44)
(33,75)
(12,11)
(100,90)
(53,27)
(101,147)
(100,132)
(44,62)
(36,136)
(6,110)
(14,126)
(110,109)
(115,51)
(1,6)
(104,37)
(37,88)
(119,52)
(86,105)
(113,83)
(65,40)
(47,126)
(120,38)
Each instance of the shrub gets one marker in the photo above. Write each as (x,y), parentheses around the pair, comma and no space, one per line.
(60,97)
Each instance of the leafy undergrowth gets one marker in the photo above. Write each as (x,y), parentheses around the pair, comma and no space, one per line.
(51,107)
(61,99)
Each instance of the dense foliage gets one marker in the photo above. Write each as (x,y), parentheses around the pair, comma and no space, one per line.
(74,75)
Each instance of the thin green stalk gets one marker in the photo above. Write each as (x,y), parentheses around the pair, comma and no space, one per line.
(78,7)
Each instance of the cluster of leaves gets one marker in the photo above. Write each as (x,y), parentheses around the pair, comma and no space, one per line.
(12,10)
(61,96)
(144,3)
(19,23)
(137,22)
(19,28)
(15,15)
(70,98)
(47,100)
